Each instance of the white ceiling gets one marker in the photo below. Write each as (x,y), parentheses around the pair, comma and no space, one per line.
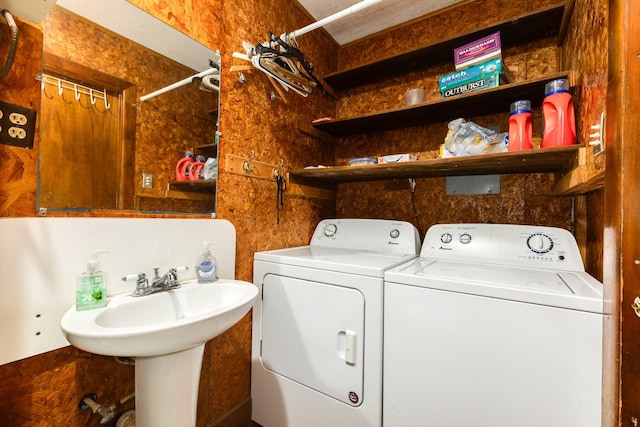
(378,17)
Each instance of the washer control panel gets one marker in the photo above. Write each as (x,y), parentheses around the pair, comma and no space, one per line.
(368,234)
(504,244)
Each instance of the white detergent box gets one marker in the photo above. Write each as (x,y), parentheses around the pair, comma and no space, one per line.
(397,158)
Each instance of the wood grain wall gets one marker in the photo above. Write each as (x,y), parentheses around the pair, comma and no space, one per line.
(47,387)
(19,166)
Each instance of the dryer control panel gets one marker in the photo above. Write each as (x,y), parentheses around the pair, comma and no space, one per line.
(367,234)
(504,244)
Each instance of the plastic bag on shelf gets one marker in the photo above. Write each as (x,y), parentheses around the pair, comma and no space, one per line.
(210,168)
(469,139)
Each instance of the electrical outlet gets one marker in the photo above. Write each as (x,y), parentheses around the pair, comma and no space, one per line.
(18,119)
(15,132)
(17,125)
(596,138)
(147,180)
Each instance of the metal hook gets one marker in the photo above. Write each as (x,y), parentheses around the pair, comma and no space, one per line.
(93,98)
(246,164)
(75,89)
(636,306)
(106,104)
(277,171)
(60,90)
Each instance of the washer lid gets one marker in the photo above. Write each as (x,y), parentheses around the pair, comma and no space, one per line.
(574,290)
(360,262)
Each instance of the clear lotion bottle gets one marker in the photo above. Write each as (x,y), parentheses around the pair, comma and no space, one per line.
(206,266)
(91,286)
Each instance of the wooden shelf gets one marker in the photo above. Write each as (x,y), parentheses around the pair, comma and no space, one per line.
(209,150)
(519,30)
(200,186)
(530,161)
(489,101)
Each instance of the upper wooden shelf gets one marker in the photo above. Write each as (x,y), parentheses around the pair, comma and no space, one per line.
(528,161)
(519,30)
(210,150)
(488,101)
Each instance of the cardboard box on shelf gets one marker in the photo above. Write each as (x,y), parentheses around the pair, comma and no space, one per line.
(478,51)
(484,76)
(396,158)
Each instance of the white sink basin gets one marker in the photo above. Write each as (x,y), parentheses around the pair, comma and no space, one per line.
(160,323)
(166,333)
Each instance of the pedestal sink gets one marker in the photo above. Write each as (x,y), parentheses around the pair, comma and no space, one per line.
(166,333)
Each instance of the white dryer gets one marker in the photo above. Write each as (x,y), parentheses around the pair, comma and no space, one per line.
(317,330)
(493,326)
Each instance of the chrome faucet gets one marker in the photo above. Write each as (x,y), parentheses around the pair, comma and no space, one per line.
(166,282)
(160,283)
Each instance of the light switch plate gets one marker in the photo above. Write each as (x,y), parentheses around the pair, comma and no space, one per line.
(147,180)
(17,125)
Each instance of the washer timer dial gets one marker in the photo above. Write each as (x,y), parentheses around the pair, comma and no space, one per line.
(540,243)
(465,238)
(330,230)
(446,238)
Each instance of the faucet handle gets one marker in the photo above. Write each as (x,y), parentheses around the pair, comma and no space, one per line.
(141,280)
(142,283)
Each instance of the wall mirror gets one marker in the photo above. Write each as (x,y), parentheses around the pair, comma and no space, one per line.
(101,146)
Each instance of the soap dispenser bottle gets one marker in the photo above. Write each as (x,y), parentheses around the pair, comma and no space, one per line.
(91,287)
(206,266)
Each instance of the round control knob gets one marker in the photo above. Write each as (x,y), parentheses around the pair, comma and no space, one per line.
(540,243)
(465,238)
(394,233)
(446,238)
(330,230)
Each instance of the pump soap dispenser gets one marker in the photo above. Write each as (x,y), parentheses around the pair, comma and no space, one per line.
(206,266)
(91,287)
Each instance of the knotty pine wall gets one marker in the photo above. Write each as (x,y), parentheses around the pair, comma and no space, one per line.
(44,390)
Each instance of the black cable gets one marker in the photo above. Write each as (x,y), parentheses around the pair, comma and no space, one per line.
(412,184)
(13,43)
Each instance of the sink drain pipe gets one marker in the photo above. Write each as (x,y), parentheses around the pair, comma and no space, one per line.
(107,413)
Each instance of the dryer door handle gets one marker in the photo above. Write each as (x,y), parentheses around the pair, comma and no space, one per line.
(348,343)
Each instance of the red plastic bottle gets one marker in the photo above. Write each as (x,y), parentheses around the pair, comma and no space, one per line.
(182,167)
(558,114)
(195,168)
(520,128)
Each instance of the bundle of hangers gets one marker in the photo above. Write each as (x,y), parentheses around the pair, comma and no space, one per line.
(283,62)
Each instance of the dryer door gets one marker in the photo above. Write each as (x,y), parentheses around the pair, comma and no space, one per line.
(312,333)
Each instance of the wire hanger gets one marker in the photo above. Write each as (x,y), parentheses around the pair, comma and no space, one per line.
(287,65)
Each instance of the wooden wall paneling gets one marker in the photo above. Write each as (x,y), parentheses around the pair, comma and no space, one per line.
(621,216)
(250,120)
(19,166)
(45,390)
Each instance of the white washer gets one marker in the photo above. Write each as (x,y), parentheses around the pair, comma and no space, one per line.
(317,331)
(493,326)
